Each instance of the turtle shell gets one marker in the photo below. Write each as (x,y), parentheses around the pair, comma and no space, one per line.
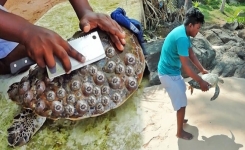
(88,91)
(211,78)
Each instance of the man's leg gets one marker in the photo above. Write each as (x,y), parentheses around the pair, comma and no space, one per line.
(180,120)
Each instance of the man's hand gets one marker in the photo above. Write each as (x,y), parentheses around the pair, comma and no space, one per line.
(91,20)
(204,71)
(43,44)
(204,85)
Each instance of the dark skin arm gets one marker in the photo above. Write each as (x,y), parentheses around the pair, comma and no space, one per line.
(186,64)
(41,44)
(2,2)
(37,40)
(90,20)
(196,62)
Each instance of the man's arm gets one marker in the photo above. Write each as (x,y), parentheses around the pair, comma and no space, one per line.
(195,61)
(12,27)
(90,20)
(81,7)
(2,2)
(186,64)
(41,44)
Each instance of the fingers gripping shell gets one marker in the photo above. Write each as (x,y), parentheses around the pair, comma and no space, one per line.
(88,91)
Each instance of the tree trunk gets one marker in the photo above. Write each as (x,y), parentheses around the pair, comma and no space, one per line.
(222,7)
(186,5)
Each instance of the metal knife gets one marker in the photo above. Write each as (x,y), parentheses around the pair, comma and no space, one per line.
(21,64)
(89,46)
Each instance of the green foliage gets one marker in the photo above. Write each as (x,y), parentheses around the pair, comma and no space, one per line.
(233,11)
(238,19)
(207,4)
(210,9)
(196,3)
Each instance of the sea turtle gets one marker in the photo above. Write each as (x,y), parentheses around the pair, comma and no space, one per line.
(212,79)
(89,91)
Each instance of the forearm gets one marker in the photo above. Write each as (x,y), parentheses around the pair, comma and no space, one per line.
(190,72)
(13,27)
(195,61)
(2,2)
(80,7)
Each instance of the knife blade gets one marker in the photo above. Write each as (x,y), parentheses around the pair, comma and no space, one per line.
(89,46)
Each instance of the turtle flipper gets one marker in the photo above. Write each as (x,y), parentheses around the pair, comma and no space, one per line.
(191,89)
(221,80)
(216,93)
(24,126)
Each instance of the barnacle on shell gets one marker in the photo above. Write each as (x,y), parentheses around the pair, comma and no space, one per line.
(84,70)
(129,59)
(81,107)
(93,70)
(96,91)
(110,66)
(40,106)
(105,89)
(99,108)
(75,85)
(115,82)
(50,95)
(110,52)
(105,100)
(99,78)
(116,97)
(87,88)
(120,69)
(69,110)
(131,83)
(28,96)
(40,87)
(71,99)
(57,108)
(23,87)
(91,101)
(61,93)
(129,71)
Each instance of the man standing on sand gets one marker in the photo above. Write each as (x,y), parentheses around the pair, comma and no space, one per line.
(177,52)
(19,38)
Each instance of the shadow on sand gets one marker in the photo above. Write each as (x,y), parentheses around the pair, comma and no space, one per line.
(216,142)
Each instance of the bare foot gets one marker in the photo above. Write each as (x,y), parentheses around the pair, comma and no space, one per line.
(185,135)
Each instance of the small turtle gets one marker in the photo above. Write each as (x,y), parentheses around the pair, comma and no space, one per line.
(89,91)
(212,79)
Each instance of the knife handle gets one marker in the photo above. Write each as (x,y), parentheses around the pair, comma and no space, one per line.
(18,65)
